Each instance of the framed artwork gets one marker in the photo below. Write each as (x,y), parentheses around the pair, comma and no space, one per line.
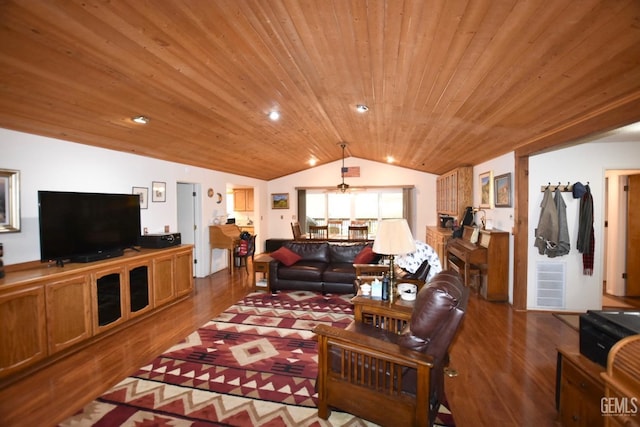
(486,190)
(9,201)
(158,191)
(143,192)
(279,200)
(502,190)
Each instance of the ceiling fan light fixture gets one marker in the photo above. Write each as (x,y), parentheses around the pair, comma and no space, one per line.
(141,120)
(342,186)
(361,108)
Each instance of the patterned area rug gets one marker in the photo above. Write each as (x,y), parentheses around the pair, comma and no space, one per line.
(254,365)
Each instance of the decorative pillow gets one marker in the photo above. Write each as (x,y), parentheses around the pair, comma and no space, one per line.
(365,256)
(285,256)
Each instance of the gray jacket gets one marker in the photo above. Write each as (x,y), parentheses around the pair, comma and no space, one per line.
(547,231)
(563,245)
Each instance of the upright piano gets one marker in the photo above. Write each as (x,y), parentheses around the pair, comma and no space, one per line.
(488,258)
(225,236)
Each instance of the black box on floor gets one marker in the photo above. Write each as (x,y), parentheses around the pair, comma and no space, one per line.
(601,329)
(157,241)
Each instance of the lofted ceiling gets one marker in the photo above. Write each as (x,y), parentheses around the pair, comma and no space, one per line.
(447,82)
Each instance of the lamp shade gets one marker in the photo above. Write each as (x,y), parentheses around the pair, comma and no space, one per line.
(394,238)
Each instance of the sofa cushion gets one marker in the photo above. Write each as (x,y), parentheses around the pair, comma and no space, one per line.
(339,272)
(308,271)
(345,252)
(285,256)
(310,251)
(365,256)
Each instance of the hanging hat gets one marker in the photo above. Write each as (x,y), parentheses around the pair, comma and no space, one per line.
(578,190)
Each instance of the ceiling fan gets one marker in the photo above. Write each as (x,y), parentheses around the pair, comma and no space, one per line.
(342,186)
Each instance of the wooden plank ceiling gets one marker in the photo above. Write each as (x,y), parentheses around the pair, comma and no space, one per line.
(447,82)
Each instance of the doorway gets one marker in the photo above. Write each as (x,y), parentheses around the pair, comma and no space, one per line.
(188,198)
(621,234)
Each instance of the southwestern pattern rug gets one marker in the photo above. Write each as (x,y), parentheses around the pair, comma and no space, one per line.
(254,365)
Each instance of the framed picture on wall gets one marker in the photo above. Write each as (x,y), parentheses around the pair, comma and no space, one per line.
(486,189)
(502,190)
(158,191)
(143,192)
(9,201)
(280,201)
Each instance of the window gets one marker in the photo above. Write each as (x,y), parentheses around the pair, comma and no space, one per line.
(338,210)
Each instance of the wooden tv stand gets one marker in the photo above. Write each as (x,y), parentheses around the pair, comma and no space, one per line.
(48,311)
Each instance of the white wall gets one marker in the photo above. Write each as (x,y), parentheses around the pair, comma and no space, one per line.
(498,218)
(371,174)
(52,164)
(584,163)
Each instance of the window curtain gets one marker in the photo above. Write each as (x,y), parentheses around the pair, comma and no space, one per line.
(302,208)
(408,207)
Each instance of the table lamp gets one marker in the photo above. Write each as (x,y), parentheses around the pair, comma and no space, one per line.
(393,238)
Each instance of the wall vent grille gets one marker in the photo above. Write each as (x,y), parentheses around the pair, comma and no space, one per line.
(550,281)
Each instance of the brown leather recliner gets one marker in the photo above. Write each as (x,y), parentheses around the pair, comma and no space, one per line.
(393,379)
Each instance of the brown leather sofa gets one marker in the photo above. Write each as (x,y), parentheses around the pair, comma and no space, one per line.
(328,267)
(324,267)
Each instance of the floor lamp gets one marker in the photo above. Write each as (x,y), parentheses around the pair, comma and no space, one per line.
(393,238)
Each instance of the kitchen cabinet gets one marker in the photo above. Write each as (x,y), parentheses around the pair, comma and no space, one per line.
(243,199)
(454,191)
(248,228)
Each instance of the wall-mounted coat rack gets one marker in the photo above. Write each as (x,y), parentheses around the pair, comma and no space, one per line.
(565,188)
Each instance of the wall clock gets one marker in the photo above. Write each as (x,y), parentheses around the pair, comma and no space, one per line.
(210,192)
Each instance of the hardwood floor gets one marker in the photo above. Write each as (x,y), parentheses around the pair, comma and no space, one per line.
(506,361)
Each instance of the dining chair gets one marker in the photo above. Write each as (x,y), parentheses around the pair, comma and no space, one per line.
(358,232)
(319,232)
(335,227)
(251,250)
(297,232)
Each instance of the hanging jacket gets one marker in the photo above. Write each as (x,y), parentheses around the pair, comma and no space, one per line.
(547,231)
(563,245)
(586,239)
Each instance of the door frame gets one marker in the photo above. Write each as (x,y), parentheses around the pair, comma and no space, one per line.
(195,210)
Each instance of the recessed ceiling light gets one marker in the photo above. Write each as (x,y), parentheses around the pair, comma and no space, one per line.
(141,119)
(313,161)
(361,108)
(274,115)
(390,159)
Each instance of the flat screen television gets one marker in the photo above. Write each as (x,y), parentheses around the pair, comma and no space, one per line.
(86,227)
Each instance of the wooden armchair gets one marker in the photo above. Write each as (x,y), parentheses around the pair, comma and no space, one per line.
(388,378)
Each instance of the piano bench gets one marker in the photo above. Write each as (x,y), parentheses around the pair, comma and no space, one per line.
(457,265)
